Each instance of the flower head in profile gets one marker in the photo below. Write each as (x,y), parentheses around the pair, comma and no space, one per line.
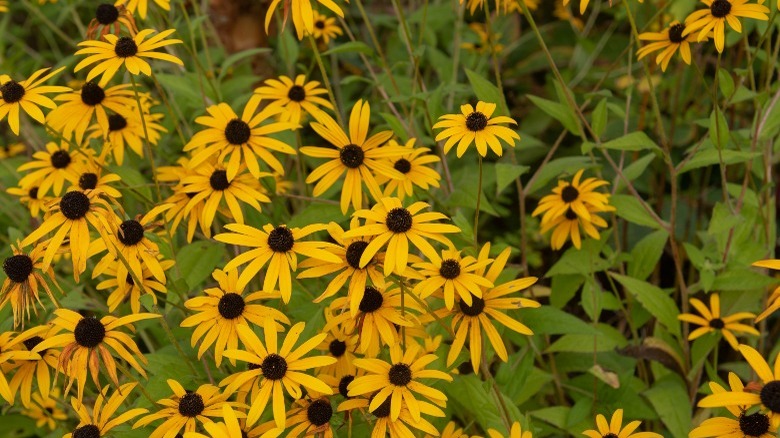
(302,14)
(110,19)
(711,320)
(668,41)
(101,420)
(615,428)
(478,126)
(28,95)
(297,97)
(718,13)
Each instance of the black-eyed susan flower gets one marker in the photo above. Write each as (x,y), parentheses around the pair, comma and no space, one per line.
(209,185)
(78,109)
(478,126)
(102,419)
(232,428)
(488,41)
(473,321)
(31,370)
(222,310)
(126,51)
(310,416)
(141,6)
(765,393)
(272,371)
(668,41)
(712,321)
(349,252)
(46,411)
(325,28)
(93,177)
(615,428)
(9,150)
(403,425)
(230,138)
(185,409)
(278,246)
(88,341)
(398,380)
(296,97)
(52,168)
(7,355)
(748,425)
(356,154)
(302,14)
(27,95)
(414,166)
(516,431)
(451,430)
(24,281)
(109,19)
(341,344)
(576,195)
(568,226)
(452,274)
(3,6)
(29,198)
(125,289)
(718,13)
(393,226)
(773,303)
(126,129)
(72,216)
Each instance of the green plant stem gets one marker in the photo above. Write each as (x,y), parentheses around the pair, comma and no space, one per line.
(479,204)
(325,79)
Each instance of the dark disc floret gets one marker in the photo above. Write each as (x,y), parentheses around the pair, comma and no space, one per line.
(116,122)
(610,435)
(218,180)
(274,367)
(352,156)
(129,279)
(400,374)
(399,220)
(770,396)
(12,91)
(344,385)
(89,332)
(717,323)
(106,14)
(754,425)
(403,165)
(60,159)
(237,132)
(231,305)
(18,267)
(319,24)
(476,121)
(570,214)
(87,431)
(33,193)
(31,343)
(676,33)
(88,181)
(92,94)
(476,307)
(131,232)
(569,194)
(280,239)
(191,404)
(297,93)
(355,252)
(383,410)
(372,300)
(337,348)
(125,47)
(74,205)
(466,368)
(319,412)
(450,269)
(720,8)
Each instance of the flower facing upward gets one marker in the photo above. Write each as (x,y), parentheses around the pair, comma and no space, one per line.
(143,5)
(668,41)
(30,198)
(27,95)
(126,128)
(99,423)
(52,168)
(325,28)
(476,126)
(116,51)
(394,226)
(125,288)
(414,167)
(569,224)
(359,156)
(719,12)
(46,411)
(302,14)
(296,97)
(452,274)
(385,426)
(711,321)
(615,428)
(229,138)
(575,195)
(24,281)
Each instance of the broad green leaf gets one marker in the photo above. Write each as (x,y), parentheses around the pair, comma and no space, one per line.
(551,321)
(487,92)
(557,111)
(474,395)
(654,300)
(675,416)
(197,261)
(719,129)
(606,339)
(646,254)
(599,117)
(726,82)
(710,156)
(635,141)
(630,209)
(507,173)
(634,170)
(395,125)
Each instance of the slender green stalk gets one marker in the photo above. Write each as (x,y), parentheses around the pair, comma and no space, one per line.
(325,79)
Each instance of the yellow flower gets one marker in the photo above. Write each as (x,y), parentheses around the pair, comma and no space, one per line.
(142,5)
(52,168)
(718,13)
(774,300)
(668,41)
(515,432)
(9,150)
(46,411)
(296,97)
(126,128)
(711,321)
(109,17)
(125,288)
(4,8)
(325,28)
(615,428)
(400,427)
(302,14)
(23,282)
(29,370)
(487,43)
(414,169)
(100,422)
(476,126)
(29,197)
(452,274)
(27,95)
(231,428)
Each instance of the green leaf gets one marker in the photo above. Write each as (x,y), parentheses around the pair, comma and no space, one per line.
(599,117)
(507,173)
(487,92)
(558,112)
(634,170)
(726,82)
(473,395)
(710,156)
(234,58)
(547,320)
(630,209)
(606,339)
(556,168)
(675,416)
(395,125)
(635,141)
(350,47)
(719,129)
(654,300)
(646,254)
(197,261)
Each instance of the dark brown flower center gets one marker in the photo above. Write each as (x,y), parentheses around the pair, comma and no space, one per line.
(400,374)
(476,307)
(676,33)
(570,214)
(754,425)
(403,165)
(131,232)
(74,205)
(399,220)
(88,431)
(218,180)
(319,24)
(297,93)
(231,305)
(280,239)
(466,368)
(720,8)
(355,252)
(125,47)
(60,159)
(337,348)
(237,132)
(450,269)
(319,412)
(106,14)
(770,396)
(569,194)
(89,332)
(88,181)
(116,122)
(18,267)
(31,343)
(92,94)
(129,280)
(352,156)
(191,404)
(383,410)
(717,323)
(476,121)
(610,435)
(344,385)
(12,91)
(274,367)
(372,300)
(33,193)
